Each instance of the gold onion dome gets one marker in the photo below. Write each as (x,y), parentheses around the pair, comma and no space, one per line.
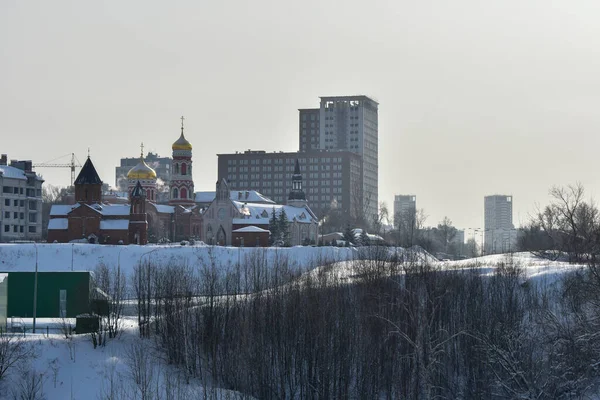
(141,171)
(182,143)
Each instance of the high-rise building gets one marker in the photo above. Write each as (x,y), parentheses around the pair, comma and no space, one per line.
(161,165)
(20,201)
(405,209)
(347,123)
(331,178)
(500,235)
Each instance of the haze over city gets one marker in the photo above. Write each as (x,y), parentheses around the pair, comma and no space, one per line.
(474,99)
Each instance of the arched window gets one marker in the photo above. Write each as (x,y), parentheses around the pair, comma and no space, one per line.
(184,169)
(177,168)
(175,193)
(183,193)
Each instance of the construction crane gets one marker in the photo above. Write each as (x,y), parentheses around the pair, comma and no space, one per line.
(72,165)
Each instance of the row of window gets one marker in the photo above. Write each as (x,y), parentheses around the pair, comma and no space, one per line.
(20,215)
(181,194)
(19,229)
(20,203)
(19,190)
(183,168)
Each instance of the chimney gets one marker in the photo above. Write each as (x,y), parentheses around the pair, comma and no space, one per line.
(3,159)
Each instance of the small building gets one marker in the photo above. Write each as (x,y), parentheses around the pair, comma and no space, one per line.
(59,294)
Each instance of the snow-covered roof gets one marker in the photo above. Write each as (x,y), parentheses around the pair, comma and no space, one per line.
(62,209)
(250,196)
(163,208)
(112,210)
(3,277)
(261,213)
(58,223)
(15,173)
(252,228)
(114,224)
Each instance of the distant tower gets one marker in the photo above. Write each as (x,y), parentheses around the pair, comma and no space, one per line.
(88,185)
(182,184)
(145,176)
(138,225)
(297,197)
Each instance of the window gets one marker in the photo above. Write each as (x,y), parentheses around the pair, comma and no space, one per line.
(177,169)
(6,228)
(16,203)
(7,202)
(33,205)
(7,189)
(183,192)
(14,228)
(175,193)
(15,215)
(32,217)
(21,229)
(183,170)
(16,190)
(32,229)
(6,214)
(21,215)
(22,203)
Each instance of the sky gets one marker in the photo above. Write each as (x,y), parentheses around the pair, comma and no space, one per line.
(475,98)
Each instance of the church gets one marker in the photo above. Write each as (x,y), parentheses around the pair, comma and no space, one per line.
(221,218)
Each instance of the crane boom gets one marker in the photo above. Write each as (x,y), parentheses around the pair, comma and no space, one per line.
(72,165)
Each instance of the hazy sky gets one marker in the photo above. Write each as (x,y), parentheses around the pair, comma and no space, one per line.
(476,97)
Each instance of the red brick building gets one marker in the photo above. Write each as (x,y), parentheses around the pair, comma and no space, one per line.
(92,220)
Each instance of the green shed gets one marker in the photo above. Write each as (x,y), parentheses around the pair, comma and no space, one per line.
(59,294)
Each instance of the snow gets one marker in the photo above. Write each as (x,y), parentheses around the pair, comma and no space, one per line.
(56,257)
(3,277)
(164,209)
(251,229)
(61,209)
(251,196)
(58,223)
(114,209)
(114,224)
(73,369)
(11,172)
(261,213)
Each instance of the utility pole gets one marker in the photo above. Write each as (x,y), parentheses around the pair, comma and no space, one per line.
(35,282)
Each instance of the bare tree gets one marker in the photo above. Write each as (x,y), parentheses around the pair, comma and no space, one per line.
(14,350)
(112,283)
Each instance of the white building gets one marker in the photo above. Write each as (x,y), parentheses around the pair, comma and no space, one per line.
(20,201)
(500,233)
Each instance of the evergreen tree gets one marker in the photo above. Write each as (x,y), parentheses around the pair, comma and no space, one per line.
(284,228)
(274,228)
(349,236)
(364,239)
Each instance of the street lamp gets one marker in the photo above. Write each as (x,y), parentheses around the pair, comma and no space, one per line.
(35,283)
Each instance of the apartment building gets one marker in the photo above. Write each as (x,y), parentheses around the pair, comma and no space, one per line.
(20,201)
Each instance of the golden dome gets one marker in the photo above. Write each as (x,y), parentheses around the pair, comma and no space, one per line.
(182,143)
(141,171)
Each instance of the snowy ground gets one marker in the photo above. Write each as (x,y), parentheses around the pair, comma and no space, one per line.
(73,369)
(53,257)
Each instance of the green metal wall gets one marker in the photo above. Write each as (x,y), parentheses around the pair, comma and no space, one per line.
(20,293)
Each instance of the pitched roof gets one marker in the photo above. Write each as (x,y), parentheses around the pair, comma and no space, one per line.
(138,190)
(88,175)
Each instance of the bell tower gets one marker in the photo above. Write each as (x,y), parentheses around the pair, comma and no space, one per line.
(297,197)
(138,225)
(182,185)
